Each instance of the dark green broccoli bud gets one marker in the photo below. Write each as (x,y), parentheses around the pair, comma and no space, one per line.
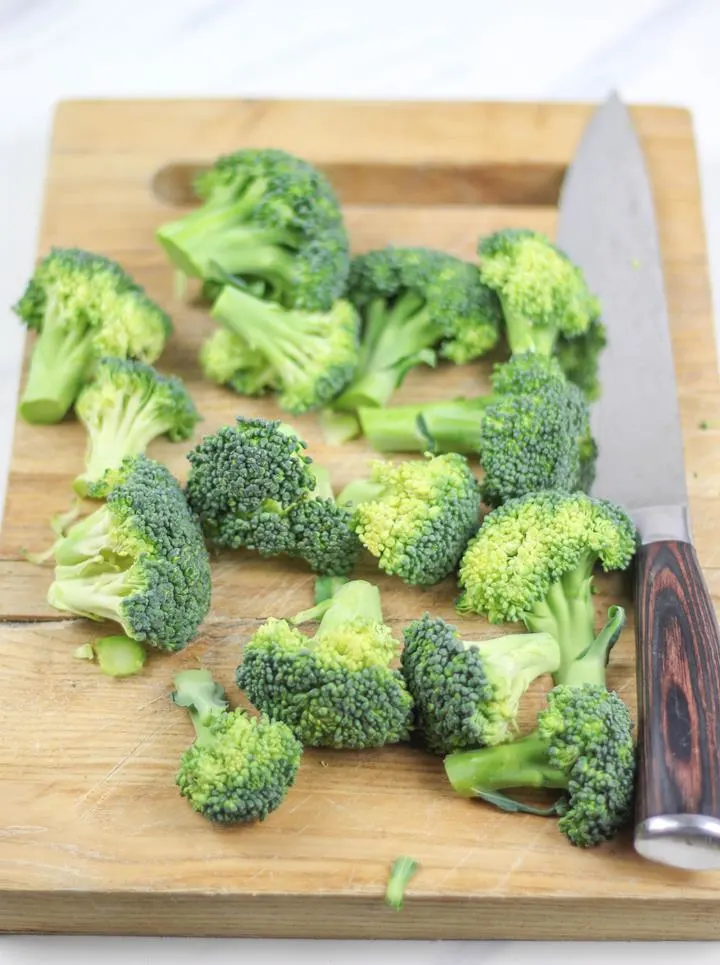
(139,559)
(83,306)
(321,532)
(240,768)
(226,359)
(542,293)
(579,357)
(533,560)
(582,744)
(309,356)
(467,693)
(415,303)
(265,216)
(125,406)
(402,872)
(336,688)
(416,517)
(531,433)
(242,480)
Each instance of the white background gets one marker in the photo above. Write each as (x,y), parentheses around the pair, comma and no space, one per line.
(649,50)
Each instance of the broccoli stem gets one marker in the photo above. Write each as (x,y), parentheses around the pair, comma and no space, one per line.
(283,337)
(521,763)
(358,598)
(60,360)
(402,871)
(523,336)
(218,235)
(438,426)
(360,491)
(590,666)
(85,540)
(96,590)
(203,697)
(395,339)
(126,430)
(512,662)
(567,613)
(120,656)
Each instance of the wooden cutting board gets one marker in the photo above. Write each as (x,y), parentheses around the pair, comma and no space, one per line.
(93,834)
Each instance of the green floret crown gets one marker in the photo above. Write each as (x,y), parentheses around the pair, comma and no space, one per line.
(240,768)
(125,407)
(139,560)
(270,218)
(337,688)
(416,517)
(541,291)
(468,693)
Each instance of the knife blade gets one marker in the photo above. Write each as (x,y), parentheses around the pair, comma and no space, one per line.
(607,225)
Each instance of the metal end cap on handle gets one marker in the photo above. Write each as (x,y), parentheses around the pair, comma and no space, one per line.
(687,841)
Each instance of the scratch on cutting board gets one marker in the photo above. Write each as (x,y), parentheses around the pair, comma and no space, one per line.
(16,831)
(517,864)
(118,767)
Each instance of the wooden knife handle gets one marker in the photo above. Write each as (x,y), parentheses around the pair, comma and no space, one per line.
(678,660)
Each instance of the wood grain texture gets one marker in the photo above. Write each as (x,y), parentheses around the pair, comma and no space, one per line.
(93,835)
(678,648)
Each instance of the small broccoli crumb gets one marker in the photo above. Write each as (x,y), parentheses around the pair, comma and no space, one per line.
(84,652)
(402,871)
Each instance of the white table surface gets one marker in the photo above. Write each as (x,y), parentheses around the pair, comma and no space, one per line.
(649,50)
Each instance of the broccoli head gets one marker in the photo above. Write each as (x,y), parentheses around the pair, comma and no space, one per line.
(308,356)
(82,306)
(253,486)
(337,688)
(532,432)
(467,693)
(416,517)
(533,560)
(227,359)
(265,217)
(239,768)
(415,303)
(582,744)
(139,559)
(125,406)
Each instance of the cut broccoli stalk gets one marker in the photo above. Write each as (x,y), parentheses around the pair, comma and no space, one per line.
(521,763)
(97,589)
(120,656)
(402,872)
(58,367)
(454,426)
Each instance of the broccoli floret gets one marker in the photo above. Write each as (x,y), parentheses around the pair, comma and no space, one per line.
(582,744)
(125,406)
(82,306)
(579,357)
(240,768)
(336,688)
(253,486)
(139,559)
(542,293)
(309,356)
(267,217)
(532,432)
(321,531)
(415,302)
(226,359)
(533,560)
(417,517)
(467,693)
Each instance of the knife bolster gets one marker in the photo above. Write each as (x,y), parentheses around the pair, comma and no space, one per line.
(659,523)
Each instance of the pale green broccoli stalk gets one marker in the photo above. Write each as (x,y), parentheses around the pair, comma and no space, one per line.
(139,560)
(531,432)
(582,744)
(337,688)
(312,355)
(533,560)
(416,517)
(467,693)
(82,306)
(125,406)
(271,221)
(240,768)
(402,872)
(416,304)
(119,656)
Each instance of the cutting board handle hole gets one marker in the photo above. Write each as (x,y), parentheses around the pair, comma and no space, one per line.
(525,183)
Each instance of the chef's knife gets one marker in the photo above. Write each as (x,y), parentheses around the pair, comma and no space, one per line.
(607,226)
